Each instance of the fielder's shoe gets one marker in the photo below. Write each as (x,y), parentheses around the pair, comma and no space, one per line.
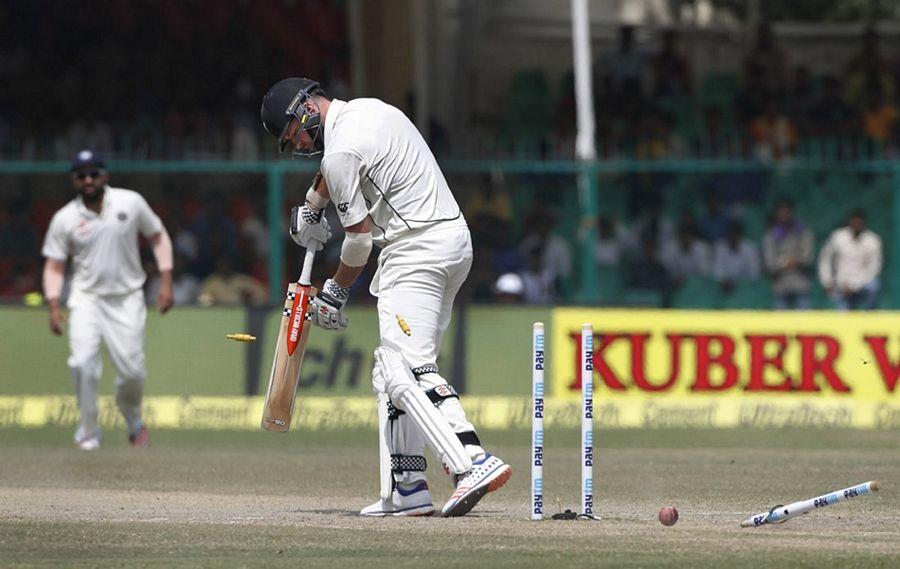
(413,500)
(92,443)
(140,439)
(488,473)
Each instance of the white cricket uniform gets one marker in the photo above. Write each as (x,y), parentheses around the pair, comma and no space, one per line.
(376,164)
(107,298)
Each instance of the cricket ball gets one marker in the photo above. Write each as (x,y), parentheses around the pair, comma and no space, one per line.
(668,516)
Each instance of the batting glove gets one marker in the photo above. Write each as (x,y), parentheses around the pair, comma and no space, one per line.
(309,228)
(327,308)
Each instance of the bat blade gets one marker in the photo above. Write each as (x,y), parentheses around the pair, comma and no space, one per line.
(289,349)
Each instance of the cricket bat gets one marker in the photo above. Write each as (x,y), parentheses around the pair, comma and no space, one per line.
(292,336)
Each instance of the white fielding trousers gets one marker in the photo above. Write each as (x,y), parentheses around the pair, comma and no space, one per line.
(416,283)
(117,320)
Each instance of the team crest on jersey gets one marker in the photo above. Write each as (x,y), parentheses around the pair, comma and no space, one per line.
(343,207)
(122,216)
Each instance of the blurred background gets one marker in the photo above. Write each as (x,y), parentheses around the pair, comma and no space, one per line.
(732,138)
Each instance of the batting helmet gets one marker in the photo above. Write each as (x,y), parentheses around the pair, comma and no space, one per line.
(285,102)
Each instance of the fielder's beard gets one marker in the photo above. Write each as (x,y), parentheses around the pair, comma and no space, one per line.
(92,198)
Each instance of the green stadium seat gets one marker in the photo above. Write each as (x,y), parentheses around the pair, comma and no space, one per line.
(748,295)
(698,292)
(609,282)
(642,297)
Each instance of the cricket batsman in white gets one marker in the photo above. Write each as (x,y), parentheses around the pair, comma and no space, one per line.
(99,230)
(388,190)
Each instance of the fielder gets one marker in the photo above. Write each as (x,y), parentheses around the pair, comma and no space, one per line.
(388,190)
(99,230)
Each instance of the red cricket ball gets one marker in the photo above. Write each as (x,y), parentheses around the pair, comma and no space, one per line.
(668,516)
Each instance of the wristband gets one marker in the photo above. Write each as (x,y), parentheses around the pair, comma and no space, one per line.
(316,200)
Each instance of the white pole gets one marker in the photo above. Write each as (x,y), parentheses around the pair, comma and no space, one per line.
(537,422)
(585,148)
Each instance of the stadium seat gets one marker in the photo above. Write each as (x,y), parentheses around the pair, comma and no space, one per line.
(609,282)
(642,298)
(698,292)
(748,295)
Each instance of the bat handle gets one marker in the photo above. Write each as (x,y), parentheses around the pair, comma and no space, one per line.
(306,273)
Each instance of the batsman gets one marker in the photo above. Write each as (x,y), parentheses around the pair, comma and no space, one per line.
(389,191)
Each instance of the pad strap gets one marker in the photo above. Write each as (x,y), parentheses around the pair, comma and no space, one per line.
(407,463)
(439,393)
(393,412)
(469,438)
(422,370)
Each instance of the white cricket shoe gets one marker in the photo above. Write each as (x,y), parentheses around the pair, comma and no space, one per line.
(414,500)
(92,443)
(488,473)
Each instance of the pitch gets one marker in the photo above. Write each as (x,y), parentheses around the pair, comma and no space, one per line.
(248,499)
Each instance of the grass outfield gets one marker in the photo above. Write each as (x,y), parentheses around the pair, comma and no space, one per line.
(231,499)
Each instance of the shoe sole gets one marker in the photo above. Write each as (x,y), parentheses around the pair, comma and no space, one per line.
(411,513)
(467,502)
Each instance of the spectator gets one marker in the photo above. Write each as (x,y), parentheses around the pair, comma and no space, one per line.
(715,224)
(850,265)
(829,115)
(685,257)
(612,242)
(490,200)
(735,258)
(801,99)
(671,72)
(509,289)
(773,133)
(506,255)
(623,64)
(867,71)
(556,259)
(646,272)
(879,117)
(652,224)
(767,60)
(788,257)
(753,96)
(224,286)
(714,139)
(537,281)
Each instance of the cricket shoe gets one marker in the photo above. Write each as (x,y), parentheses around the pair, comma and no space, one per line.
(92,443)
(413,500)
(140,439)
(488,473)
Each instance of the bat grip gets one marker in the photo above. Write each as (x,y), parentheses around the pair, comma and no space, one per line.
(306,272)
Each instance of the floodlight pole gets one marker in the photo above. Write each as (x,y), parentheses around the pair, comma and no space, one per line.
(585,150)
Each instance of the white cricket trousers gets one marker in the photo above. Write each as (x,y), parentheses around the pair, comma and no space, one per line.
(117,320)
(416,282)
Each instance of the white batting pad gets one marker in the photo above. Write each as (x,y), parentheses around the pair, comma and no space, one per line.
(384,453)
(402,389)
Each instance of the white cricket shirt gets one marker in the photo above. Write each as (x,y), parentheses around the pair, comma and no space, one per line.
(376,163)
(104,248)
(848,261)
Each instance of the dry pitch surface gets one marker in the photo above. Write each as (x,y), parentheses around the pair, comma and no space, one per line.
(215,499)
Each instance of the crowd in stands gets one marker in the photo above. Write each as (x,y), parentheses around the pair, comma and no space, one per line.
(182,80)
(649,104)
(701,257)
(156,79)
(696,261)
